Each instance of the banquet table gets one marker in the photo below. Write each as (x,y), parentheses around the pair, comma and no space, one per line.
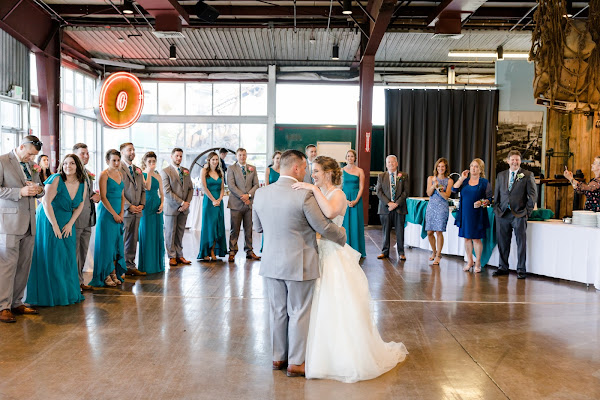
(554,249)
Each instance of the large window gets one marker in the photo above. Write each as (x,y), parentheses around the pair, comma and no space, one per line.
(76,129)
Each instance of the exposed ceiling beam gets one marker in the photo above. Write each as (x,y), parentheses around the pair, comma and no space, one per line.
(169,15)
(70,47)
(461,9)
(382,11)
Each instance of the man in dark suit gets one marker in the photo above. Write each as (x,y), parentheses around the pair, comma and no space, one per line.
(514,199)
(392,191)
(222,154)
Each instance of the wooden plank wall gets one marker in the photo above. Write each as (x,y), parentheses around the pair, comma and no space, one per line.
(575,133)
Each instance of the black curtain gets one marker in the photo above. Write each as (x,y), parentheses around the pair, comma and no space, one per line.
(424,125)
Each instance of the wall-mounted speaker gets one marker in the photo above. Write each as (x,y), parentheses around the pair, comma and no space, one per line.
(205,12)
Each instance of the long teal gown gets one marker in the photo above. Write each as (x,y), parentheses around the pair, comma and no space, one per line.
(354,220)
(108,246)
(273,177)
(151,257)
(213,222)
(54,280)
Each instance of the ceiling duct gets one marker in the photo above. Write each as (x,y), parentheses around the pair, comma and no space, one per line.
(169,16)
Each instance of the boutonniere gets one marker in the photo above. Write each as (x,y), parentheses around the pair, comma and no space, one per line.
(138,170)
(519,177)
(91,175)
(400,176)
(185,171)
(36,168)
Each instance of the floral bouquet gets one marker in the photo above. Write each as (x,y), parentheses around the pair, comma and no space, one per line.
(485,203)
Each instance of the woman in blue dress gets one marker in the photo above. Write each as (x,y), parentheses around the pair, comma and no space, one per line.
(353,179)
(109,255)
(472,219)
(212,235)
(439,188)
(151,258)
(272,172)
(54,277)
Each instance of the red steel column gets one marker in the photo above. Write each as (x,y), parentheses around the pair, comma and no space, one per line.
(48,77)
(364,132)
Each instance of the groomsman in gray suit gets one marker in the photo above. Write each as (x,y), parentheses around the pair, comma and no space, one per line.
(87,218)
(392,191)
(288,219)
(179,190)
(311,154)
(135,199)
(19,186)
(514,201)
(242,181)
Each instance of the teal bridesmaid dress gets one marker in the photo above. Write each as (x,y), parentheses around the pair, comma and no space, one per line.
(54,280)
(273,177)
(213,222)
(151,258)
(108,246)
(354,221)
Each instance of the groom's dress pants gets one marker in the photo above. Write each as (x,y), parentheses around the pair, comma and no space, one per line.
(290,303)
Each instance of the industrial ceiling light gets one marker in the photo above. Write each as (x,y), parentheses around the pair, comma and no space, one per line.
(486,54)
(173,53)
(500,53)
(347,7)
(335,55)
(128,7)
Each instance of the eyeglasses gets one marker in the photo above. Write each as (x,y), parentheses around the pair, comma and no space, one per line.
(36,143)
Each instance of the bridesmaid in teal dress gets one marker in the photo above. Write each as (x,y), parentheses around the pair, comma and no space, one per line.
(271,176)
(109,254)
(151,258)
(54,278)
(212,236)
(354,221)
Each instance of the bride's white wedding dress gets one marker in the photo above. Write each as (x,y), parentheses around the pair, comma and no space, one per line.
(343,341)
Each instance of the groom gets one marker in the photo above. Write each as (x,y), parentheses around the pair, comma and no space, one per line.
(288,219)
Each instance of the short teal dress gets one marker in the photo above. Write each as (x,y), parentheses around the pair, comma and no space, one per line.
(151,258)
(354,220)
(54,277)
(108,246)
(213,222)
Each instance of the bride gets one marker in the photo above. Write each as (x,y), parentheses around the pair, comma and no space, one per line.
(343,341)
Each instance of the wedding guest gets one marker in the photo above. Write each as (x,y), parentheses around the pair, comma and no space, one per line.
(439,188)
(109,252)
(20,185)
(311,154)
(212,236)
(222,155)
(151,258)
(392,191)
(179,190)
(44,162)
(135,201)
(515,198)
(54,280)
(591,190)
(87,218)
(272,172)
(353,183)
(472,219)
(242,180)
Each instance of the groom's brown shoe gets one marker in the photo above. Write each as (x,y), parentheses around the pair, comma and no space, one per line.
(24,310)
(279,365)
(295,370)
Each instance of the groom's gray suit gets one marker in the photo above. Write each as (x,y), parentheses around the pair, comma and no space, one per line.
(288,219)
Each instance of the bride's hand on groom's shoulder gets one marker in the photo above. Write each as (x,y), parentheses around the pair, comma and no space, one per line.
(303,185)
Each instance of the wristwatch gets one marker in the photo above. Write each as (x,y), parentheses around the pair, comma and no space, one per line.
(249,195)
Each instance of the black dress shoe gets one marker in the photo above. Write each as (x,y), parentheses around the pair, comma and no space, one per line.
(521,275)
(500,272)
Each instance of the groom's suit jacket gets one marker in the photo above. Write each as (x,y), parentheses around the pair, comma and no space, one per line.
(288,219)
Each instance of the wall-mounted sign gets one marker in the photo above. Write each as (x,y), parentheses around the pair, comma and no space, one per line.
(121,100)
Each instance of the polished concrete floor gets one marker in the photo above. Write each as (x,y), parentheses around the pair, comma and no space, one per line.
(201,332)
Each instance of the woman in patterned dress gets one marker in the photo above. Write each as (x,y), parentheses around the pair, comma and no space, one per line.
(591,190)
(439,188)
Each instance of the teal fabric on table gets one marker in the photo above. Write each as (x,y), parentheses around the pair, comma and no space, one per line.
(151,257)
(489,242)
(416,214)
(354,221)
(53,280)
(541,214)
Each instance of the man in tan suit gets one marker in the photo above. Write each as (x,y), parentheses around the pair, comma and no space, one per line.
(19,186)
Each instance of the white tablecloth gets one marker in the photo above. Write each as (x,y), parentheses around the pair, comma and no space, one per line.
(554,249)
(194,221)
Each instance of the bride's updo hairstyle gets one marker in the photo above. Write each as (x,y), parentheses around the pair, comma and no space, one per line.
(330,165)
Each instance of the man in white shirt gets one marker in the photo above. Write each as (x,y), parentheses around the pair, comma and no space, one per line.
(311,154)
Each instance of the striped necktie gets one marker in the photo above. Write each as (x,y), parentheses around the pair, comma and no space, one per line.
(26,171)
(512,180)
(393,181)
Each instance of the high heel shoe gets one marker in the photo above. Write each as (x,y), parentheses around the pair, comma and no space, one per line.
(109,282)
(467,267)
(432,256)
(115,279)
(477,269)
(437,260)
